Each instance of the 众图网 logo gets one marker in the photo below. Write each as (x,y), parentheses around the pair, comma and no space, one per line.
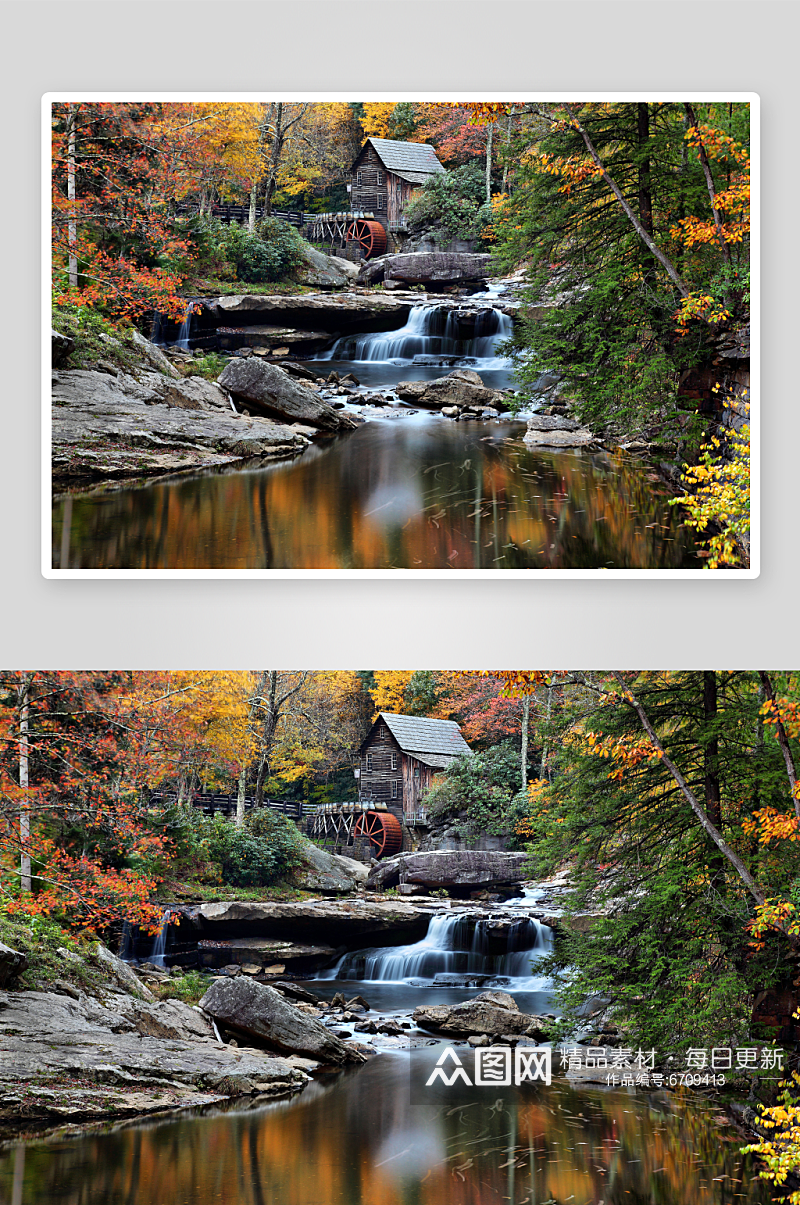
(493,1066)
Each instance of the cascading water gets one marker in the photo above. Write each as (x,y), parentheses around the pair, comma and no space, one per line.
(455,945)
(432,333)
(186,328)
(156,955)
(163,328)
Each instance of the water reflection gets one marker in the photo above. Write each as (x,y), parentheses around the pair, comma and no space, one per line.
(371,1137)
(412,492)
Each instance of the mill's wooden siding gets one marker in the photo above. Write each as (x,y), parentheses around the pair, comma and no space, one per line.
(390,776)
(376,190)
(369,191)
(381,776)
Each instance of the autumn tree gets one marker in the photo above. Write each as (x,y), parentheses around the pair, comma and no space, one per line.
(672,802)
(118,169)
(75,836)
(634,217)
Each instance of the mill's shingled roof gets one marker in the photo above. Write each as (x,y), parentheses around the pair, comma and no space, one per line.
(435,742)
(413,161)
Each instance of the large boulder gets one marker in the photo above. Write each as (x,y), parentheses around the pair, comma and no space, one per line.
(329,873)
(196,393)
(153,355)
(461,389)
(62,347)
(451,868)
(121,973)
(266,387)
(123,1043)
(12,964)
(492,1013)
(325,271)
(261,1012)
(427,267)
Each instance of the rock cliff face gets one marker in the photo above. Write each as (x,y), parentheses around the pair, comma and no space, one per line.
(351,922)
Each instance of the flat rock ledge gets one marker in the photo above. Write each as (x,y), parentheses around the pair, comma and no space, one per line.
(66,1058)
(547,431)
(107,427)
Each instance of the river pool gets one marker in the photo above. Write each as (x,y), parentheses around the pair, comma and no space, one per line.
(371,1136)
(415,491)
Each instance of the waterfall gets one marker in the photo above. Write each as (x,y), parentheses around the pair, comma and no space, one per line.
(128,946)
(431,332)
(186,328)
(161,330)
(454,945)
(156,955)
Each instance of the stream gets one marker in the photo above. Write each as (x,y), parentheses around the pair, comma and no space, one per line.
(378,1135)
(406,490)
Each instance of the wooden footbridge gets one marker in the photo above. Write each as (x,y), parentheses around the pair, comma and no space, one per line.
(217,804)
(241,213)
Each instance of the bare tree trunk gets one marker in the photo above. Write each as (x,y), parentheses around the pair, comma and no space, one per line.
(645,196)
(241,795)
(632,218)
(711,751)
(255,703)
(25,803)
(262,137)
(710,829)
(489,133)
(783,741)
(712,194)
(543,770)
(526,712)
(278,139)
(72,225)
(506,149)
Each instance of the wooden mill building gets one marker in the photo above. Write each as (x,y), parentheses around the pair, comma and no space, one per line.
(399,757)
(384,178)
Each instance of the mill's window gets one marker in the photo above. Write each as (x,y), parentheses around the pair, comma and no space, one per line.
(380,177)
(394,761)
(358,179)
(394,788)
(369,763)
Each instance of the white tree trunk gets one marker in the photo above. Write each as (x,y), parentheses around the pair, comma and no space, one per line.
(489,133)
(24,806)
(240,796)
(526,712)
(72,226)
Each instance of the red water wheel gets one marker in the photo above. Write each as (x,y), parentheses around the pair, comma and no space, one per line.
(371,236)
(384,831)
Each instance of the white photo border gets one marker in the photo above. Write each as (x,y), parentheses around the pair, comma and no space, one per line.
(498,575)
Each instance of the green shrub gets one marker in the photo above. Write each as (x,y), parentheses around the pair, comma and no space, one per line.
(479,791)
(270,253)
(96,338)
(189,987)
(262,852)
(453,204)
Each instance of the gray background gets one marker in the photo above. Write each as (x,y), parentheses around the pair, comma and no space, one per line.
(410,46)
